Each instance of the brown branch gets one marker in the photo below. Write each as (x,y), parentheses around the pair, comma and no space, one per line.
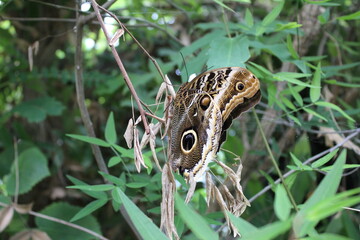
(80,94)
(121,67)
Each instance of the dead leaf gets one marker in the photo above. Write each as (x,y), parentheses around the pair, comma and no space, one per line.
(167,202)
(33,234)
(209,188)
(23,208)
(129,133)
(139,160)
(332,137)
(192,187)
(160,93)
(170,86)
(6,215)
(116,36)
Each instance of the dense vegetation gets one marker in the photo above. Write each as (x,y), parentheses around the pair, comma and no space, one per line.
(61,89)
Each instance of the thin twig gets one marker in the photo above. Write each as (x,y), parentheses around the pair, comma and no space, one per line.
(122,68)
(57,220)
(292,200)
(80,94)
(313,158)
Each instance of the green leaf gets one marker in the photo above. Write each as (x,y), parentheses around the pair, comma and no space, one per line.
(223,5)
(295,119)
(36,110)
(96,188)
(137,184)
(194,221)
(145,226)
(64,211)
(244,227)
(270,231)
(352,16)
(88,209)
(331,205)
(326,189)
(91,140)
(273,14)
(98,195)
(32,169)
(249,18)
(323,160)
(296,95)
(228,52)
(315,92)
(114,161)
(290,25)
(115,180)
(327,236)
(336,108)
(287,102)
(291,48)
(110,131)
(312,112)
(282,205)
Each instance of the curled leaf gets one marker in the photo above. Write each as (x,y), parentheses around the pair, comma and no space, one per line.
(129,133)
(6,215)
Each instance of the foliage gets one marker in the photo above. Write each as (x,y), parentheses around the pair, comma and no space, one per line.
(310,87)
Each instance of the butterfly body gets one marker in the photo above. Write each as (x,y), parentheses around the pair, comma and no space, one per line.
(202,111)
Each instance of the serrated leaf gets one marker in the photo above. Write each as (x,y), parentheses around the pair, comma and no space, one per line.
(100,187)
(200,228)
(88,209)
(32,169)
(110,131)
(58,231)
(92,140)
(315,92)
(145,226)
(336,108)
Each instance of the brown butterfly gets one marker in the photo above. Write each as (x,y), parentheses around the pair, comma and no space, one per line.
(202,111)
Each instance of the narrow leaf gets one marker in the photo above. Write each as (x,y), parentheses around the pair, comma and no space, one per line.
(91,140)
(110,131)
(336,108)
(321,161)
(315,92)
(100,187)
(194,221)
(88,209)
(145,226)
(273,14)
(326,189)
(282,205)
